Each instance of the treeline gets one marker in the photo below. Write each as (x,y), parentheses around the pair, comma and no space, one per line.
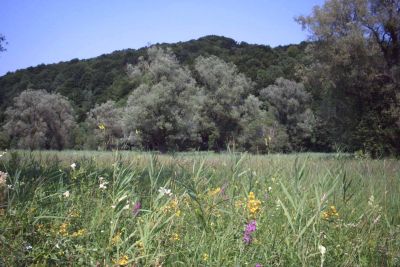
(339,91)
(172,108)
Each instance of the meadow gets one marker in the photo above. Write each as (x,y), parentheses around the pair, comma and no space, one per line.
(88,208)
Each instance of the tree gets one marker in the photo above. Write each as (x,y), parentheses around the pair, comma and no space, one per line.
(40,120)
(354,71)
(105,122)
(161,113)
(225,90)
(260,131)
(291,105)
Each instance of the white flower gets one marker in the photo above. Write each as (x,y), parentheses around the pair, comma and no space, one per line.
(103,183)
(103,186)
(164,191)
(73,166)
(66,194)
(269,189)
(28,247)
(126,207)
(322,249)
(113,207)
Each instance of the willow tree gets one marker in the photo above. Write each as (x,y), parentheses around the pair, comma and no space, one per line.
(105,125)
(162,111)
(40,120)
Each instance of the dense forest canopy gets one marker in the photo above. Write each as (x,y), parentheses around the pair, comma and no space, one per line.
(338,91)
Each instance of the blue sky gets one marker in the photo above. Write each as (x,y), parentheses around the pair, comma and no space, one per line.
(46,31)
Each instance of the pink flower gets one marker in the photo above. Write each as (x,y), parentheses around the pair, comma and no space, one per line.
(136,208)
(250,228)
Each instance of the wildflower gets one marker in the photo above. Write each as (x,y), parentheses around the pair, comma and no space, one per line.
(136,208)
(258,265)
(164,191)
(122,261)
(79,233)
(250,228)
(253,204)
(28,247)
(205,257)
(330,213)
(103,183)
(214,192)
(102,126)
(175,237)
(116,239)
(66,194)
(73,166)
(172,206)
(63,231)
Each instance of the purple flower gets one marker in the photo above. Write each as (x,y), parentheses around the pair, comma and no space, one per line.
(247,238)
(136,208)
(258,265)
(250,228)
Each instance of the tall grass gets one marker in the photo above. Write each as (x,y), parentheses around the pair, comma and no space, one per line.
(309,209)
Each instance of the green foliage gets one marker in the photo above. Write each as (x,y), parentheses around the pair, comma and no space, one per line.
(353,72)
(105,126)
(291,104)
(40,120)
(162,112)
(310,210)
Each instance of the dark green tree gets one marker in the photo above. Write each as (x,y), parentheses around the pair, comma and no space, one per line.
(354,72)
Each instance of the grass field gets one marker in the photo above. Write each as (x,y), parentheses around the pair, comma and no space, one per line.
(85,208)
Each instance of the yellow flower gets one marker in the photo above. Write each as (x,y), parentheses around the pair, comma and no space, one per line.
(205,256)
(214,192)
(175,237)
(253,204)
(122,261)
(330,213)
(116,239)
(79,233)
(63,231)
(102,126)
(171,206)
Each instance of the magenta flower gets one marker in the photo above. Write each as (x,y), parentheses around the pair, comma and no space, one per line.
(258,265)
(136,208)
(250,228)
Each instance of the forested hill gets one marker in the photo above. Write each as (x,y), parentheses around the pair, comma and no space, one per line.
(90,81)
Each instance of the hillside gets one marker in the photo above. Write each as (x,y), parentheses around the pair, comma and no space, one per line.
(90,81)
